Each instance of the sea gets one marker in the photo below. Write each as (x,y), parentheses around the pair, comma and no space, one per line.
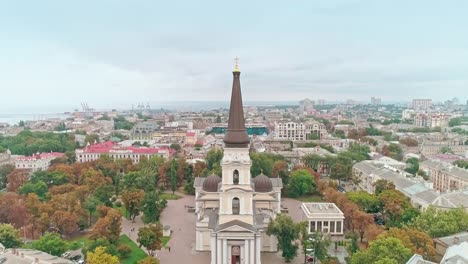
(14,116)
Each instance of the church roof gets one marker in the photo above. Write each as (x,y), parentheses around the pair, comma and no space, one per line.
(262,183)
(236,134)
(210,184)
(235,223)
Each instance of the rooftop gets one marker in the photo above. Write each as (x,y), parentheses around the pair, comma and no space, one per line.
(48,155)
(28,256)
(321,210)
(112,147)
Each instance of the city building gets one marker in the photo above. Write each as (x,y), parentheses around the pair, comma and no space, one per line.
(325,218)
(299,131)
(36,162)
(306,105)
(376,101)
(442,244)
(431,120)
(233,212)
(5,157)
(30,256)
(190,138)
(421,104)
(419,192)
(456,254)
(445,177)
(116,151)
(144,130)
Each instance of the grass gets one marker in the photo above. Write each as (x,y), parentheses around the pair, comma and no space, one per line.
(164,240)
(136,253)
(310,198)
(169,196)
(78,242)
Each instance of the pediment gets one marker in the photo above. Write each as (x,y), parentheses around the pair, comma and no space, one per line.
(235,226)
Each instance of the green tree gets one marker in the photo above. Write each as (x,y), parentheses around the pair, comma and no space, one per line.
(9,236)
(50,243)
(301,183)
(39,188)
(439,223)
(382,185)
(175,147)
(213,160)
(173,176)
(4,171)
(412,165)
(286,231)
(21,123)
(150,237)
(91,203)
(366,201)
(91,246)
(152,206)
(148,260)
(458,163)
(263,162)
(99,256)
(218,119)
(383,250)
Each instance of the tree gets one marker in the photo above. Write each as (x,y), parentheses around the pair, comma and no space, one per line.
(39,188)
(461,163)
(173,176)
(394,205)
(91,139)
(9,236)
(393,151)
(361,222)
(286,231)
(263,162)
(150,237)
(91,246)
(419,242)
(413,165)
(175,147)
(15,179)
(366,201)
(383,250)
(100,256)
(382,185)
(439,223)
(280,169)
(301,183)
(132,201)
(50,243)
(213,160)
(91,204)
(152,206)
(109,224)
(218,119)
(4,171)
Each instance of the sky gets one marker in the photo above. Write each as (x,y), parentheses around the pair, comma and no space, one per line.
(114,52)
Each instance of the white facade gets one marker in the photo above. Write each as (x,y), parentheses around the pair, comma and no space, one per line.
(36,162)
(231,221)
(325,218)
(299,131)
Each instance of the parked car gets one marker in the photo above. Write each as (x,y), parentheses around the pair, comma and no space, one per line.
(66,254)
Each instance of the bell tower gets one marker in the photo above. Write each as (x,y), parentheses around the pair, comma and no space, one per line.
(236,192)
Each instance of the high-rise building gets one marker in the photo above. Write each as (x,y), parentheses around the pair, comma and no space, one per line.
(233,212)
(421,104)
(376,101)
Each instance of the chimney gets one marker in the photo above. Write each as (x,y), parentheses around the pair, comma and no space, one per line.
(456,240)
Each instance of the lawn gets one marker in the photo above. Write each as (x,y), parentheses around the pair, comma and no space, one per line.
(310,198)
(136,254)
(169,196)
(164,240)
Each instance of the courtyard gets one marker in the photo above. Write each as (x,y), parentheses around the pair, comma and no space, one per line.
(182,242)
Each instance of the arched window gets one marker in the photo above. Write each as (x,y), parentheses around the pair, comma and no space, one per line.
(235,177)
(235,206)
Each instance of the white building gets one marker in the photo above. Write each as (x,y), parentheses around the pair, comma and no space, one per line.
(36,162)
(325,218)
(299,131)
(233,212)
(116,151)
(421,104)
(30,256)
(5,157)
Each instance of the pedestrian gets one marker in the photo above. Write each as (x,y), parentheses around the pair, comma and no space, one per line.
(169,247)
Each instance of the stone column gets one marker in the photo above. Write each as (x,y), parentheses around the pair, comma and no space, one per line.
(258,250)
(213,249)
(225,256)
(246,255)
(219,251)
(252,251)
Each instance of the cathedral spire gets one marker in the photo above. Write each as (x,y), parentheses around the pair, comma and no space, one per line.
(236,135)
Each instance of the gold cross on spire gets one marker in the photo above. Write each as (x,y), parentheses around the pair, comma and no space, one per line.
(236,66)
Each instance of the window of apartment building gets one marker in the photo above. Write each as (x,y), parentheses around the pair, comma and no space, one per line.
(319,226)
(338,227)
(332,227)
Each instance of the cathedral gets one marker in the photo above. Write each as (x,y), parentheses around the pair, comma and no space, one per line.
(233,209)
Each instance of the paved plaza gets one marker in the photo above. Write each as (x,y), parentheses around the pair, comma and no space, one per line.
(182,223)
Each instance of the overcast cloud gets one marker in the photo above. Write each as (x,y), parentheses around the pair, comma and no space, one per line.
(109,52)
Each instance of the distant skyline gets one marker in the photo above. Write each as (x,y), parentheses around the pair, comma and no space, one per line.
(107,52)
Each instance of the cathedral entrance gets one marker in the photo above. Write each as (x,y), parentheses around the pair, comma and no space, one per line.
(235,255)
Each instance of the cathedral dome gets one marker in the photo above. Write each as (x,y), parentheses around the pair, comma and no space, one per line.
(210,184)
(262,183)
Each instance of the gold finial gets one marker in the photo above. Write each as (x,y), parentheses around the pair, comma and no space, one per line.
(236,67)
